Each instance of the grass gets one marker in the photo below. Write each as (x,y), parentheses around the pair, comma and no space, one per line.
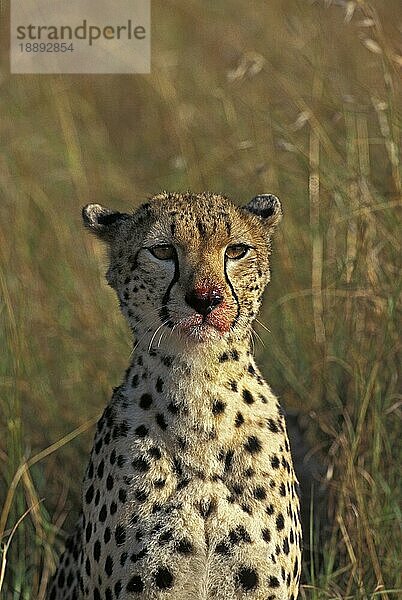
(298,98)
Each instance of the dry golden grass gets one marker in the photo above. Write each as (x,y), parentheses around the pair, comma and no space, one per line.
(299,98)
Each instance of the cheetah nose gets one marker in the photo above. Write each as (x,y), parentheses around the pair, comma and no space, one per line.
(202,301)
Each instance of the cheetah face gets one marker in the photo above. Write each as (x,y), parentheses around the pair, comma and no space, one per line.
(188,266)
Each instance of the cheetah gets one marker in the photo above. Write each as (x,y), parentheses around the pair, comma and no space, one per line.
(190,492)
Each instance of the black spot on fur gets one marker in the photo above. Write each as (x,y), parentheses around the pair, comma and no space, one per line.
(182,484)
(248,397)
(234,355)
(160,419)
(121,430)
(182,443)
(141,464)
(240,534)
(141,431)
(109,566)
(296,568)
(272,426)
(167,361)
(266,535)
(239,419)
(222,548)
(135,585)
(228,459)
(155,452)
(145,401)
(247,578)
(100,469)
(275,462)
(238,488)
(163,578)
(218,407)
(280,522)
(141,495)
(89,494)
(253,445)
(177,467)
(173,408)
(184,546)
(273,582)
(97,550)
(159,385)
(120,535)
(260,493)
(103,514)
(136,557)
(107,535)
(165,537)
(291,537)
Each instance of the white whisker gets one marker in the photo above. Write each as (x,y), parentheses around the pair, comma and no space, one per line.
(258,337)
(156,331)
(263,325)
(160,338)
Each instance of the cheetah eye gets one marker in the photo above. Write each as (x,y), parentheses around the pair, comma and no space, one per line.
(163,251)
(237,251)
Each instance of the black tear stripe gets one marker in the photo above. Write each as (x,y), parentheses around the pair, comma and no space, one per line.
(164,313)
(233,294)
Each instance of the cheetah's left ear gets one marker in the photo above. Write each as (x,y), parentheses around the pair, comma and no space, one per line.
(102,221)
(267,207)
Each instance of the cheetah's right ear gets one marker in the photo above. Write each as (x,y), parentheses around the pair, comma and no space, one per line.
(102,221)
(267,207)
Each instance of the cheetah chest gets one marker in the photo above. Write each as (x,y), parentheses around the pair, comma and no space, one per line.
(171,524)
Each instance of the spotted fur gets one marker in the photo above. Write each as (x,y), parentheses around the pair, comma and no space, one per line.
(190,491)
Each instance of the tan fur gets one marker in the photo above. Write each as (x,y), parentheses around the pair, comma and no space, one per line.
(183,498)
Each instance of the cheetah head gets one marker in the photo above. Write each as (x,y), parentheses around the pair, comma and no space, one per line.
(188,267)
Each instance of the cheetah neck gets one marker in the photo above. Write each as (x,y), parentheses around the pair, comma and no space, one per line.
(187,399)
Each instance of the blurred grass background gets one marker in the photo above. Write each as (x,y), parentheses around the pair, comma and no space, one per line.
(298,98)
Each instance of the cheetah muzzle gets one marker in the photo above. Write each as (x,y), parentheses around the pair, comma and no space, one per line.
(190,491)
